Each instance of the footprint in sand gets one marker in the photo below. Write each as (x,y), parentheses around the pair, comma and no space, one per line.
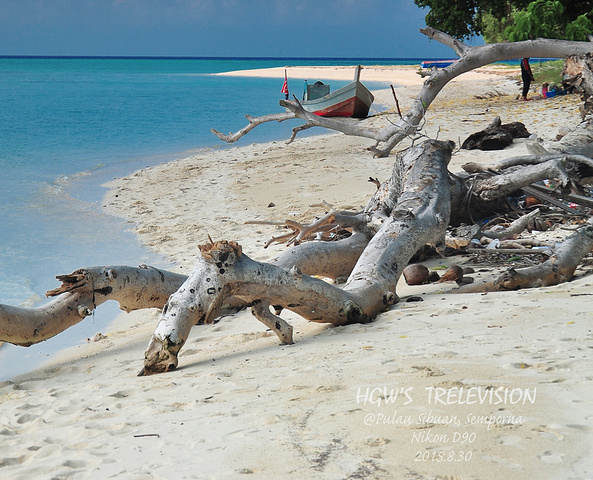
(26,418)
(509,440)
(74,464)
(550,457)
(10,461)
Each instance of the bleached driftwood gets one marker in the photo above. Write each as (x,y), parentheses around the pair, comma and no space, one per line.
(470,58)
(412,208)
(420,216)
(559,268)
(252,123)
(81,292)
(514,228)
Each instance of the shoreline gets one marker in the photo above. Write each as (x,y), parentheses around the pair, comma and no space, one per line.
(83,193)
(312,403)
(405,75)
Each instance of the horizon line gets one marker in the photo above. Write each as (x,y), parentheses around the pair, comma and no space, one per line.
(186,57)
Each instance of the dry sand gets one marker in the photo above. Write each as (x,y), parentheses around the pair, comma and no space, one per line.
(242,406)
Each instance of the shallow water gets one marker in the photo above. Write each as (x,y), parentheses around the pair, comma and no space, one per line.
(70,124)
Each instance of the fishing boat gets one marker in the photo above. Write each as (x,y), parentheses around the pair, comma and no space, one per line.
(353,100)
(436,63)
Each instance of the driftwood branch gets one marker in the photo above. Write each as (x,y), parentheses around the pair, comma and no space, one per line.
(421,215)
(514,228)
(522,173)
(470,58)
(559,268)
(81,292)
(253,122)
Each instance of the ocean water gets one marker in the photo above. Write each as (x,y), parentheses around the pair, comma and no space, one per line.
(67,125)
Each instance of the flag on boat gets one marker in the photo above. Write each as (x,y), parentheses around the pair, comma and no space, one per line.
(285,86)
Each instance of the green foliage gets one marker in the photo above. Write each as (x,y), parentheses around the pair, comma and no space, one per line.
(456,17)
(540,20)
(514,20)
(464,18)
(547,19)
(579,29)
(548,72)
(493,28)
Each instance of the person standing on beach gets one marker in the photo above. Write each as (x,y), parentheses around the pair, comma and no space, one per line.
(526,76)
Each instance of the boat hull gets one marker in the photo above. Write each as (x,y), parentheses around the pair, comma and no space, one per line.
(353,100)
(436,63)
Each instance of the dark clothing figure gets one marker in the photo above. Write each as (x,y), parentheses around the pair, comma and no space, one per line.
(526,76)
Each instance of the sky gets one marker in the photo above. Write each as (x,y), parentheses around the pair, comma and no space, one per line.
(225,28)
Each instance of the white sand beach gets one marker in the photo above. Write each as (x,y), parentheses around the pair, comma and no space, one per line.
(478,386)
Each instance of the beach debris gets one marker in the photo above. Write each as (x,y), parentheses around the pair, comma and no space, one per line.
(414,299)
(453,274)
(97,337)
(324,228)
(375,181)
(496,136)
(416,274)
(415,207)
(399,112)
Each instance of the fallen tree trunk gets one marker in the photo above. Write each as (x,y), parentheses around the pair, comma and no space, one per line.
(146,287)
(411,209)
(562,168)
(578,75)
(81,292)
(559,268)
(421,215)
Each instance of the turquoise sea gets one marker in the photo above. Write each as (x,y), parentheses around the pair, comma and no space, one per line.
(69,124)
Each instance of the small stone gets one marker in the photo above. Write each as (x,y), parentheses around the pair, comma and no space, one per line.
(98,337)
(414,299)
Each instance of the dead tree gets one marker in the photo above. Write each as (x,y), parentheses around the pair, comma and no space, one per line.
(470,58)
(578,76)
(414,211)
(414,207)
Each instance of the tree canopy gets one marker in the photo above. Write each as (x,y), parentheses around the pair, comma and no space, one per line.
(511,20)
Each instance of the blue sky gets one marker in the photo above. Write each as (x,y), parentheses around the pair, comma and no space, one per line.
(264,28)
